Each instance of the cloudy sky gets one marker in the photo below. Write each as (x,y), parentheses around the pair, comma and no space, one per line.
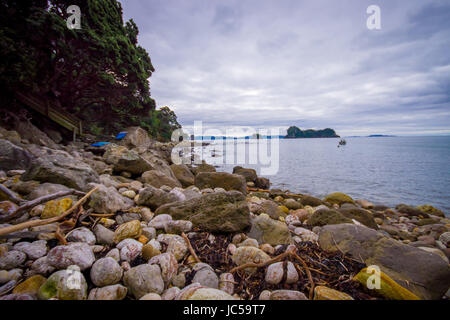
(310,63)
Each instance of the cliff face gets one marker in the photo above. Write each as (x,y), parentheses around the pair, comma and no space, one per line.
(295,132)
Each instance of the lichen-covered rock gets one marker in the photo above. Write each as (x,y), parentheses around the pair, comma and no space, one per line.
(361,215)
(431,210)
(325,293)
(388,287)
(128,230)
(113,292)
(327,217)
(410,211)
(307,200)
(144,279)
(338,198)
(34,250)
(64,285)
(149,251)
(55,208)
(223,180)
(105,272)
(158,179)
(30,285)
(75,253)
(245,255)
(215,212)
(82,234)
(266,230)
(407,265)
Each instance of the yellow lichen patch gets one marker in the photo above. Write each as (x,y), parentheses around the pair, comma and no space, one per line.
(31,285)
(131,229)
(56,208)
(388,288)
(284,209)
(325,293)
(143,239)
(338,198)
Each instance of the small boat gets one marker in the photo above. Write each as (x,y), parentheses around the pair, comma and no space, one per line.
(342,142)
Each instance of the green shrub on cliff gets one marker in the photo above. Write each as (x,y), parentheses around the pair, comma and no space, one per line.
(98,73)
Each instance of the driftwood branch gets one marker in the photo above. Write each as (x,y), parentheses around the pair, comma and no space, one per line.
(33,203)
(191,250)
(34,223)
(11,195)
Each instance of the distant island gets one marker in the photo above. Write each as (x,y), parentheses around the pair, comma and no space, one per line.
(294,132)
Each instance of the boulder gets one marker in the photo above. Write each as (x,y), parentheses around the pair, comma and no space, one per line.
(31,133)
(262,183)
(223,180)
(431,210)
(249,174)
(204,167)
(108,200)
(360,215)
(45,189)
(307,200)
(154,198)
(183,174)
(425,274)
(136,138)
(60,168)
(324,217)
(215,212)
(410,211)
(266,230)
(123,159)
(158,179)
(13,157)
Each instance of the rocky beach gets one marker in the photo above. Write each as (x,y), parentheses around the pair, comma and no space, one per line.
(121,221)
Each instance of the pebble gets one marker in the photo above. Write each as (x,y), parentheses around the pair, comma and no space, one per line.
(114,253)
(55,208)
(13,274)
(64,285)
(267,248)
(249,243)
(130,249)
(75,253)
(34,250)
(168,265)
(144,279)
(149,251)
(249,254)
(30,285)
(130,194)
(287,295)
(42,266)
(82,234)
(206,277)
(149,232)
(178,226)
(159,222)
(325,293)
(131,229)
(104,235)
(113,292)
(306,235)
(226,283)
(106,271)
(170,293)
(12,259)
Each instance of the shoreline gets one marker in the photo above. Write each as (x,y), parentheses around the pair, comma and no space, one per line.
(196,233)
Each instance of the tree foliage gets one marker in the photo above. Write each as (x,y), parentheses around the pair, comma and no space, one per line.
(99,72)
(295,132)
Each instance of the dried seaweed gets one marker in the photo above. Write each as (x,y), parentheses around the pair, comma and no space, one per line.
(333,270)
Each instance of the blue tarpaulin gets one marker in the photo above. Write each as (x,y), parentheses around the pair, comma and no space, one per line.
(99,144)
(121,135)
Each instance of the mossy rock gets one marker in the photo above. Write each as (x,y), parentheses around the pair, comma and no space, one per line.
(360,215)
(431,210)
(411,211)
(310,201)
(324,217)
(338,198)
(427,221)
